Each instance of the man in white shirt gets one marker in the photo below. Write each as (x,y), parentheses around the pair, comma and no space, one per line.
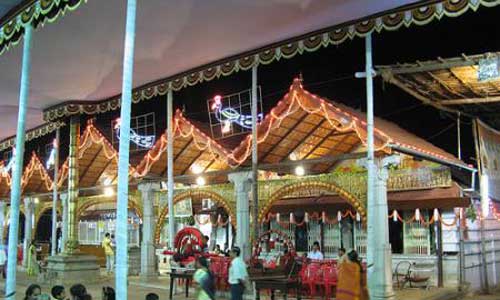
(237,274)
(315,254)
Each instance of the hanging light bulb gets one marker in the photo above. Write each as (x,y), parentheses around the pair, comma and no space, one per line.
(417,215)
(109,191)
(436,214)
(395,216)
(200,181)
(197,169)
(339,216)
(300,171)
(358,217)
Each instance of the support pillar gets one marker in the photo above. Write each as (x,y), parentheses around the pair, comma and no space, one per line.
(242,183)
(64,227)
(73,179)
(28,228)
(121,280)
(170,170)
(381,270)
(2,221)
(15,192)
(55,195)
(148,256)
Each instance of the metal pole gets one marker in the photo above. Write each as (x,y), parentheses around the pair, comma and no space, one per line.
(255,158)
(461,247)
(15,194)
(121,280)
(55,195)
(439,250)
(370,163)
(170,169)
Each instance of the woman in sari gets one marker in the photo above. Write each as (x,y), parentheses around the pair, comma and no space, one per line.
(32,263)
(351,283)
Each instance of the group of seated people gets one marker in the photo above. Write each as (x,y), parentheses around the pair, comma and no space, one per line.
(76,292)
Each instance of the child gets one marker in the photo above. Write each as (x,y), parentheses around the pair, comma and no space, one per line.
(58,292)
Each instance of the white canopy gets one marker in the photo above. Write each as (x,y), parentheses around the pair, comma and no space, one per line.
(79,57)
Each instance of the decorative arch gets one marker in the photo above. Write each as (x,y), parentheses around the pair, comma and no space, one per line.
(82,208)
(189,194)
(326,186)
(40,213)
(7,217)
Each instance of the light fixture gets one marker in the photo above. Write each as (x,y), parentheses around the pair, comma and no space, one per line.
(108,192)
(197,169)
(300,171)
(293,156)
(200,181)
(36,200)
(107,181)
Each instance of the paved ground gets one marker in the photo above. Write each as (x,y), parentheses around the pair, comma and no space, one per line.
(138,289)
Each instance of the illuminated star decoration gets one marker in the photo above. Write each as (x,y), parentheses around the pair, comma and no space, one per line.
(228,115)
(144,141)
(52,156)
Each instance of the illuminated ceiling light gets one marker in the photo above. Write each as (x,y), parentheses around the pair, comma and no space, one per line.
(197,169)
(36,200)
(109,192)
(300,171)
(200,181)
(293,156)
(107,181)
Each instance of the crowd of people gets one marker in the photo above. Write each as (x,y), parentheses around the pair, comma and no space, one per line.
(76,292)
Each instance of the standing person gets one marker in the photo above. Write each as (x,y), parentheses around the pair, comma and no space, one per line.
(3,260)
(204,279)
(315,254)
(58,292)
(351,283)
(32,263)
(32,292)
(237,274)
(342,256)
(108,251)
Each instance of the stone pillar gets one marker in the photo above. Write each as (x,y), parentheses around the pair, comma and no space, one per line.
(28,228)
(242,183)
(2,221)
(148,256)
(381,271)
(73,180)
(64,226)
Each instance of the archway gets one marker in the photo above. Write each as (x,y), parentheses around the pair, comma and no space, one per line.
(89,203)
(328,187)
(195,195)
(327,198)
(43,224)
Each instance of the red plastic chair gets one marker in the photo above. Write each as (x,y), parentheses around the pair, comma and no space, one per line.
(313,277)
(329,278)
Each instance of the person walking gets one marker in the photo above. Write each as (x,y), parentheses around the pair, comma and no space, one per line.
(32,262)
(204,279)
(351,283)
(238,274)
(108,251)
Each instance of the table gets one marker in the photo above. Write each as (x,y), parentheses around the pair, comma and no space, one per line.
(283,285)
(186,275)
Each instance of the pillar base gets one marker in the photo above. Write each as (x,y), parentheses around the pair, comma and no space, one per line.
(149,261)
(71,269)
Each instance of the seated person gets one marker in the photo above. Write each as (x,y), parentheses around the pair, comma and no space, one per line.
(315,254)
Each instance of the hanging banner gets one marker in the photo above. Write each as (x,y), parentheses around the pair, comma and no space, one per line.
(489,156)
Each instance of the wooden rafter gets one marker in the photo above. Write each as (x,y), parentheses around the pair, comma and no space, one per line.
(335,148)
(92,161)
(323,140)
(470,101)
(289,131)
(334,164)
(104,170)
(465,84)
(308,134)
(434,89)
(177,156)
(192,162)
(444,84)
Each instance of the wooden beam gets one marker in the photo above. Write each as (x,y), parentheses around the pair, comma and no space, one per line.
(192,162)
(422,82)
(483,100)
(104,170)
(444,84)
(307,135)
(178,155)
(91,162)
(335,164)
(335,148)
(388,77)
(462,82)
(323,140)
(290,130)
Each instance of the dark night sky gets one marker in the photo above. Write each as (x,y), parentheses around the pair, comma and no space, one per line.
(329,73)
